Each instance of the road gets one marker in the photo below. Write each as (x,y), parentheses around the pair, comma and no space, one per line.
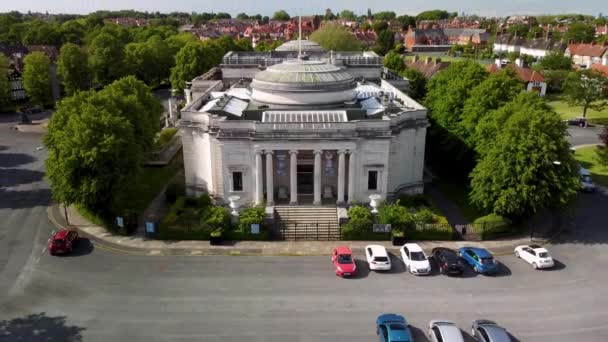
(95,295)
(583,136)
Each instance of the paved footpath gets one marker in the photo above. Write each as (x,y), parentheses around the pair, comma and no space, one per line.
(141,245)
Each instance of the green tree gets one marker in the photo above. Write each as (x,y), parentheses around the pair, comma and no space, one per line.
(417,83)
(535,32)
(5,89)
(242,16)
(347,14)
(385,42)
(406,21)
(449,90)
(37,78)
(528,166)
(335,37)
(73,68)
(491,94)
(433,15)
(178,41)
(106,56)
(380,26)
(281,15)
(97,142)
(385,15)
(39,32)
(554,61)
(329,15)
(192,60)
(394,61)
(586,88)
(520,30)
(149,61)
(580,33)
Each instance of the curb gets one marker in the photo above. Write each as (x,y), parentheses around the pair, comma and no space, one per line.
(215,251)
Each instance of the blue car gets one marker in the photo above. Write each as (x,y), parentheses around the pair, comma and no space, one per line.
(480,259)
(393,328)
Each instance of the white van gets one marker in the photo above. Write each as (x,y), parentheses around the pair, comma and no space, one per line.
(586,181)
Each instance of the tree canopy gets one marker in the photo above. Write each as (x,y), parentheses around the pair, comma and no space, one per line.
(434,15)
(97,141)
(281,15)
(555,60)
(417,83)
(37,78)
(586,88)
(406,21)
(347,14)
(193,60)
(491,94)
(385,42)
(73,68)
(385,15)
(5,89)
(106,56)
(394,61)
(335,37)
(580,33)
(528,166)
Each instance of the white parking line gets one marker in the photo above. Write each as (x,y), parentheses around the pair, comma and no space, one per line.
(43,250)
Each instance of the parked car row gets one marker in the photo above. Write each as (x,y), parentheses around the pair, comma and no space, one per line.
(449,262)
(395,328)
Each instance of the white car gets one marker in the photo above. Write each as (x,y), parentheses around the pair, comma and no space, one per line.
(535,255)
(444,331)
(377,258)
(416,262)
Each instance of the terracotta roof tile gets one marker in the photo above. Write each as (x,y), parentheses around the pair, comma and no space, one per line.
(587,50)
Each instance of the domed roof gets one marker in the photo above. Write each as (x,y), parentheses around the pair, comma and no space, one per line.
(303,82)
(293,74)
(293,45)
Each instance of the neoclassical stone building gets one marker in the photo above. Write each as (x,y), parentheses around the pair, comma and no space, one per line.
(302,131)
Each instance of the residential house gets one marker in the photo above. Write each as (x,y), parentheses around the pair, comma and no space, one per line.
(417,40)
(601,68)
(428,67)
(50,51)
(540,47)
(507,43)
(585,55)
(15,55)
(601,30)
(533,81)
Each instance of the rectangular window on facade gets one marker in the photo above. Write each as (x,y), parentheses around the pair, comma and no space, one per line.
(237,181)
(372,180)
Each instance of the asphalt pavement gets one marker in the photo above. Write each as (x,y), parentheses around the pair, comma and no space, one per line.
(96,295)
(584,136)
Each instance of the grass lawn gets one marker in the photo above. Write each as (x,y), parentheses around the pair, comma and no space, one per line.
(589,158)
(459,194)
(561,106)
(151,182)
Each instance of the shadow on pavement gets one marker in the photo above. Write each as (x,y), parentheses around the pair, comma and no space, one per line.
(3,148)
(362,269)
(82,247)
(12,177)
(588,223)
(513,338)
(15,159)
(24,199)
(469,272)
(39,327)
(418,334)
(397,265)
(503,270)
(557,266)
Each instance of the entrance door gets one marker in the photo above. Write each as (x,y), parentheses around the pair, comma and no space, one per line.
(305,179)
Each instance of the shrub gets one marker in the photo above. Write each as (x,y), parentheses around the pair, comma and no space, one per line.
(414,201)
(165,136)
(359,226)
(431,233)
(424,215)
(251,216)
(216,218)
(173,191)
(204,201)
(493,226)
(395,215)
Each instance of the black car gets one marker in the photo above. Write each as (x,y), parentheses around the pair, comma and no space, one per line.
(581,122)
(448,261)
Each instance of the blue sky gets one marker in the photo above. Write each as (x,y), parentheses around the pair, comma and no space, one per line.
(267,7)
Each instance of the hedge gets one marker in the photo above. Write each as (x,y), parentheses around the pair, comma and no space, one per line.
(494,226)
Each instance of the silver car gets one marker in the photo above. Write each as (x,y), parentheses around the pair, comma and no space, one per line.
(488,331)
(444,331)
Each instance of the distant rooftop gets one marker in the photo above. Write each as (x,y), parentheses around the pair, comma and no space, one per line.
(294,45)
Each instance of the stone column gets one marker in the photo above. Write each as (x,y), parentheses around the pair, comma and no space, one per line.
(351,176)
(269,179)
(341,175)
(259,178)
(317,174)
(293,177)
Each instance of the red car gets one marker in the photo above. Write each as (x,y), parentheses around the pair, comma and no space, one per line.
(63,241)
(343,261)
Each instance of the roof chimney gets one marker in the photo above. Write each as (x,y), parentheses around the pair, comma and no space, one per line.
(415,59)
(437,60)
(428,60)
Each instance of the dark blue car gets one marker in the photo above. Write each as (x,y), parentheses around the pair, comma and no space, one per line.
(393,328)
(480,259)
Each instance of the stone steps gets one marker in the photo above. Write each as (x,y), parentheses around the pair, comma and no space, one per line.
(307,223)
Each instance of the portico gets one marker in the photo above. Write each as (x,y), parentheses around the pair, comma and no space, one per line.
(316,173)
